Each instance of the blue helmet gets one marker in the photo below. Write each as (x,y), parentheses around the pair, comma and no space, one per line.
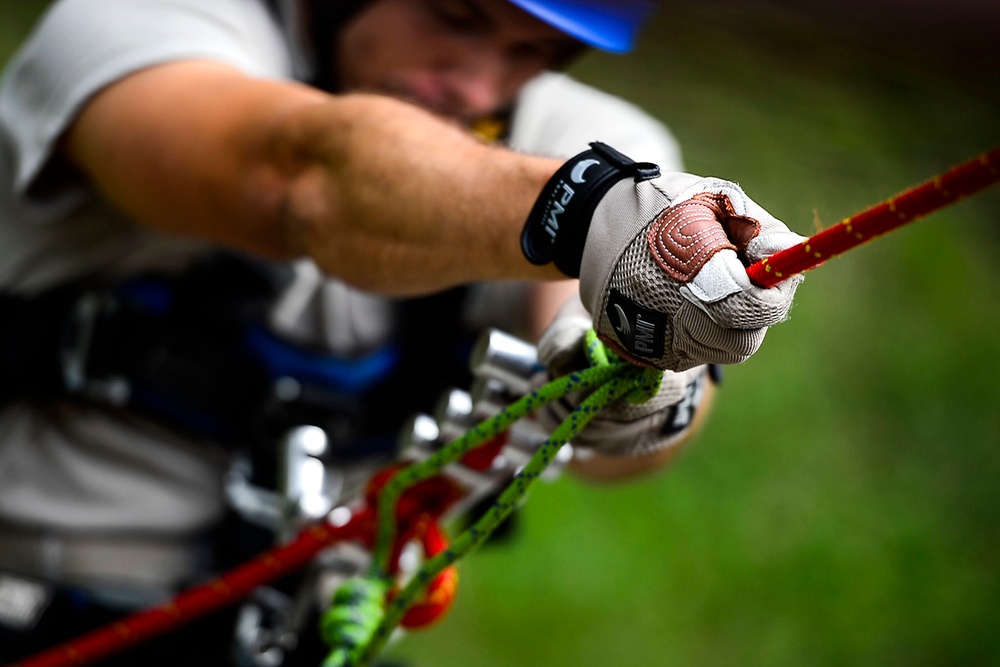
(612,25)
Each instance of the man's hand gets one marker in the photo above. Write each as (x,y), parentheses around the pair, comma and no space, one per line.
(661,259)
(623,429)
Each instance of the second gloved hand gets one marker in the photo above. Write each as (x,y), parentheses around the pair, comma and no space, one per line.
(661,258)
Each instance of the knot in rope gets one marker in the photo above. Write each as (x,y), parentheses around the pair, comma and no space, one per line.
(352,620)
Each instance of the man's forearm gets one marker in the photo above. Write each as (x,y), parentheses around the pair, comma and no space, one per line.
(394,200)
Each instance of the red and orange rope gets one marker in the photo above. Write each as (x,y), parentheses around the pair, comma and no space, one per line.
(956,183)
(197,602)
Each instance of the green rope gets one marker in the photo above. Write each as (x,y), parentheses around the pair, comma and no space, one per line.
(358,624)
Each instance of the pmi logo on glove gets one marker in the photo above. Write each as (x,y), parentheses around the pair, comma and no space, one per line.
(640,331)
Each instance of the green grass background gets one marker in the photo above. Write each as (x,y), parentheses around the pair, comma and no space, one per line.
(843,504)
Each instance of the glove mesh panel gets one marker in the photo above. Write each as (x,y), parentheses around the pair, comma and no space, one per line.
(634,276)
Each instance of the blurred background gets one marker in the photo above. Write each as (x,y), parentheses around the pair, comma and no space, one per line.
(842,505)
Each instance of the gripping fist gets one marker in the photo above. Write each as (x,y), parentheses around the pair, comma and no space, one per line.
(623,428)
(661,258)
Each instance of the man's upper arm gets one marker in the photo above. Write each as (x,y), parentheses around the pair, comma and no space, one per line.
(189,147)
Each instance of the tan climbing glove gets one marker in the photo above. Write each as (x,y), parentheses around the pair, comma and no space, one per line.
(661,258)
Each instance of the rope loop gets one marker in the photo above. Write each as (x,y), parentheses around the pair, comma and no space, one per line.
(646,380)
(353,626)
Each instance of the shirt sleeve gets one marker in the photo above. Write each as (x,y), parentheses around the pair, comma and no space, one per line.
(557,116)
(82,46)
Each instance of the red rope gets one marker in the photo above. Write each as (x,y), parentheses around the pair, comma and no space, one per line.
(200,601)
(416,513)
(956,183)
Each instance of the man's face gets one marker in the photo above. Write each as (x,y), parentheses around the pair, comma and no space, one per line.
(463,59)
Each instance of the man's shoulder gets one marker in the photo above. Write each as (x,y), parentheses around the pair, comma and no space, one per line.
(96,31)
(80,47)
(558,115)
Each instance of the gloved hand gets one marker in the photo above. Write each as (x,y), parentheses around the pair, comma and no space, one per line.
(623,428)
(661,258)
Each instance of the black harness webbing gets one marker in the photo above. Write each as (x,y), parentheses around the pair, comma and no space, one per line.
(192,351)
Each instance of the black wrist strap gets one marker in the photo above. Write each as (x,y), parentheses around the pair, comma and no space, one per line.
(557,226)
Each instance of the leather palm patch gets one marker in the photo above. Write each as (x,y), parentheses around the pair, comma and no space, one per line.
(685,236)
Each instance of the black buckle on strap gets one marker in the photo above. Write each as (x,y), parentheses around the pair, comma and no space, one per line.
(556,229)
(76,351)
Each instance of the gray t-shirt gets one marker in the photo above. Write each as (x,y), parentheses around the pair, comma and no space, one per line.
(74,469)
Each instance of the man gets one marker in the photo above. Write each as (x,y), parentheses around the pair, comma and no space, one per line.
(139,137)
